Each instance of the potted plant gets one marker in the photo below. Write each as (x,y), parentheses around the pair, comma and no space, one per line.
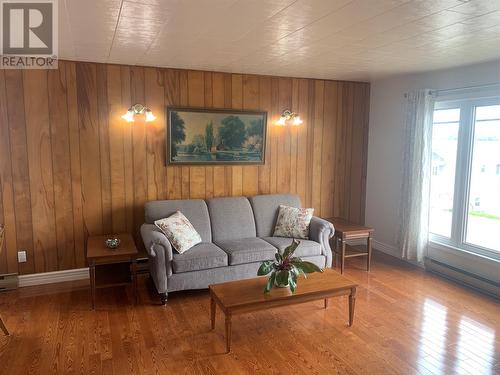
(286,269)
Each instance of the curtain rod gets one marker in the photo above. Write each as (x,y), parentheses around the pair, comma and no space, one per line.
(488,86)
(459,89)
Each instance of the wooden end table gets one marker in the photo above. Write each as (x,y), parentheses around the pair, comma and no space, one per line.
(101,261)
(236,297)
(345,231)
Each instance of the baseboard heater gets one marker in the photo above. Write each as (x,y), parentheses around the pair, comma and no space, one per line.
(8,281)
(471,280)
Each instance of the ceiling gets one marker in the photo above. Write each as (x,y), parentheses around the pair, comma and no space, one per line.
(336,39)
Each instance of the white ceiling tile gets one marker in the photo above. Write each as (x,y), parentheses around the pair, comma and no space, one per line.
(144,12)
(477,7)
(343,39)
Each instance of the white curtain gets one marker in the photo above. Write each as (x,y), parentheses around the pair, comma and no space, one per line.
(414,205)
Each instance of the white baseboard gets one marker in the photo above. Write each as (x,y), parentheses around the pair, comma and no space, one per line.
(388,249)
(53,277)
(385,248)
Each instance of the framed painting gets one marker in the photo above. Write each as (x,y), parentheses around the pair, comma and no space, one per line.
(198,136)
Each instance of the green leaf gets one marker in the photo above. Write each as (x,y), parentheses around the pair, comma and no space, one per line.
(270,282)
(289,250)
(278,257)
(298,271)
(292,282)
(265,268)
(308,267)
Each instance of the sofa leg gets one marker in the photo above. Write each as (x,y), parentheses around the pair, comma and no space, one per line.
(163,297)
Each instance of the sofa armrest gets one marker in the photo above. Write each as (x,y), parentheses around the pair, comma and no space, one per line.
(160,255)
(321,231)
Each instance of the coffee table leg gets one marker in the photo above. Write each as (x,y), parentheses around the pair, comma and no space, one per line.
(228,333)
(134,280)
(352,301)
(342,255)
(326,303)
(92,284)
(212,312)
(3,327)
(369,246)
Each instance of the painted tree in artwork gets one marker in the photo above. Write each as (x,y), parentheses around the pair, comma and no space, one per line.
(232,132)
(209,136)
(256,128)
(177,131)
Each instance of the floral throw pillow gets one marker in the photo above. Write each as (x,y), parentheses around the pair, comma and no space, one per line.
(293,222)
(179,231)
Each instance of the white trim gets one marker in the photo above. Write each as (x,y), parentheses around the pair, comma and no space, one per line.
(383,247)
(386,248)
(53,277)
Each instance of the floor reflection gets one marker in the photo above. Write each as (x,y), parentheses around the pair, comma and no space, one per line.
(475,351)
(454,345)
(432,340)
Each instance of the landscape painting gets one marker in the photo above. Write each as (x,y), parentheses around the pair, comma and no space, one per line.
(215,136)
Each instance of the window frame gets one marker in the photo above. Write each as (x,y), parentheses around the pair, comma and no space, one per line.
(463,174)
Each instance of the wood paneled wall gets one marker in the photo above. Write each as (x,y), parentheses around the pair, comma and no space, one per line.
(71,167)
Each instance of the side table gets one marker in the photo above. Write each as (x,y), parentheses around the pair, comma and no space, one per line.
(109,267)
(345,231)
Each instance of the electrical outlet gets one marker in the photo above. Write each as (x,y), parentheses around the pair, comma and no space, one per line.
(21,256)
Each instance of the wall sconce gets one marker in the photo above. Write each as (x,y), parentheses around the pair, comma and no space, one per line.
(138,109)
(288,116)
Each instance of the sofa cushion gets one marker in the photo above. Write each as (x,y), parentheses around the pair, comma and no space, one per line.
(195,210)
(231,218)
(247,250)
(306,248)
(179,231)
(203,256)
(293,222)
(265,209)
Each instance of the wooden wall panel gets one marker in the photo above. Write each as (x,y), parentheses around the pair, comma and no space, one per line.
(20,171)
(61,161)
(71,167)
(7,252)
(41,180)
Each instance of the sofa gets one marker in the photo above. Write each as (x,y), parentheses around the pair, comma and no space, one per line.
(237,235)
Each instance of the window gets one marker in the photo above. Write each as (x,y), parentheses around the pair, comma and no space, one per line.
(464,203)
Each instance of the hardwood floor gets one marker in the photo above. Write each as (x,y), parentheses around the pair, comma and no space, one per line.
(407,322)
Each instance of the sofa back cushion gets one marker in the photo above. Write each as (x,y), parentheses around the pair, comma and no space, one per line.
(266,207)
(195,210)
(231,218)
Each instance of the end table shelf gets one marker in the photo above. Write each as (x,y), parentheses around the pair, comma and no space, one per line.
(345,231)
(111,268)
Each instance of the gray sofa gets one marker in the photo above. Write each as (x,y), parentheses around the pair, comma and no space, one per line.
(237,234)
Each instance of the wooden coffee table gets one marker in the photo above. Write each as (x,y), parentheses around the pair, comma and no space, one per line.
(236,297)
